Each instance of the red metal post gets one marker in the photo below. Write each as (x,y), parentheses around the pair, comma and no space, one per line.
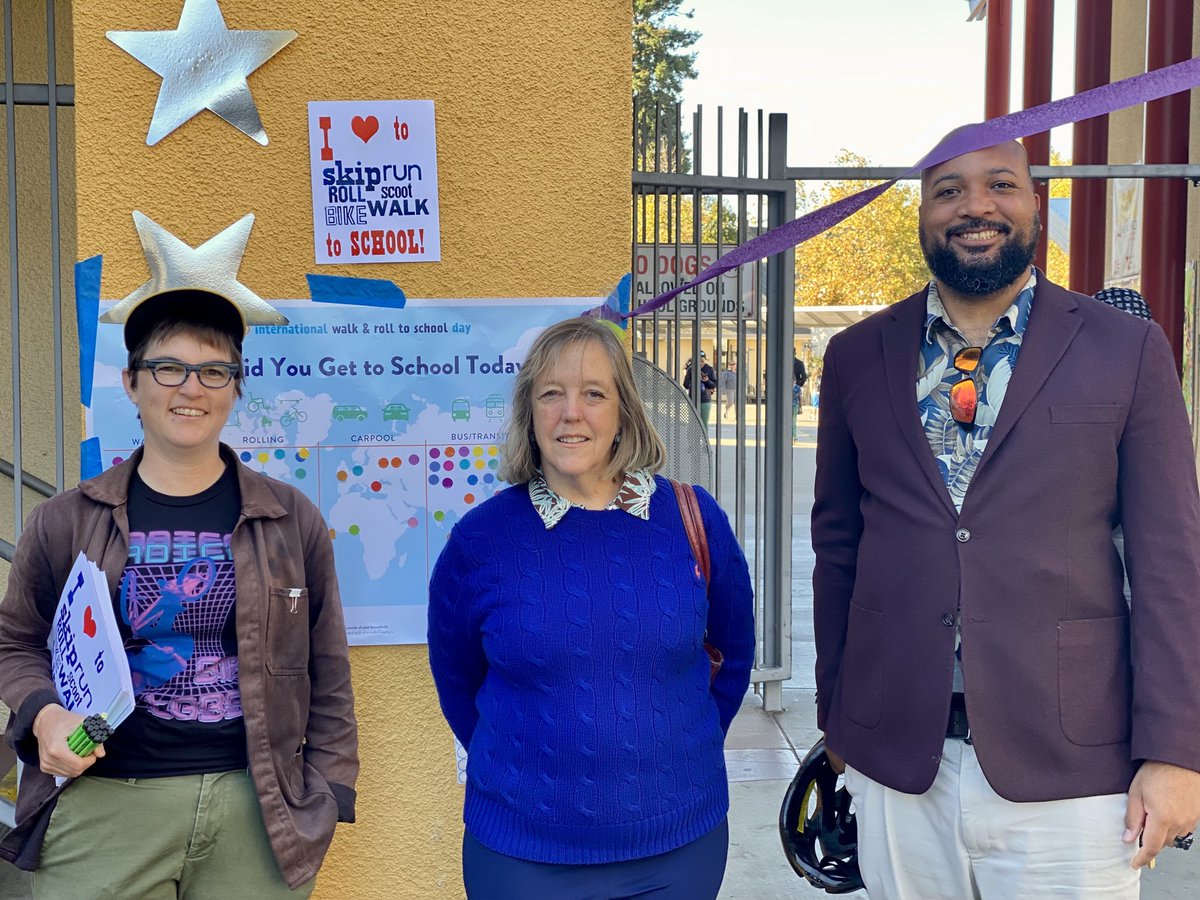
(1093,52)
(1164,210)
(1039,51)
(998,70)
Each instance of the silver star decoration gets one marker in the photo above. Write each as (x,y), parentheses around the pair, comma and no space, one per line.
(212,266)
(203,66)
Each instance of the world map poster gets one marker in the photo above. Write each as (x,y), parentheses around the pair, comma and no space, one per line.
(391,420)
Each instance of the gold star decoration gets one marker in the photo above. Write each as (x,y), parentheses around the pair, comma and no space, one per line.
(212,266)
(203,66)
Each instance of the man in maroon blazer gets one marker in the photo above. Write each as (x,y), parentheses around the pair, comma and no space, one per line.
(1011,727)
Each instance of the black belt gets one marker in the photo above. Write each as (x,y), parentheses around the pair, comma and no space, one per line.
(957,726)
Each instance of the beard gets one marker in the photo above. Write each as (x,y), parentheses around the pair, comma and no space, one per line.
(982,277)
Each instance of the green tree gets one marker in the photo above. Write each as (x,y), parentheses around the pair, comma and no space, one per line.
(661,64)
(872,257)
(1058,264)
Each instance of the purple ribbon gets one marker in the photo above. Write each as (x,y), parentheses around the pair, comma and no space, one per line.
(1097,101)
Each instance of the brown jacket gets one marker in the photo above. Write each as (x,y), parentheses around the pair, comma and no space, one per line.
(292,660)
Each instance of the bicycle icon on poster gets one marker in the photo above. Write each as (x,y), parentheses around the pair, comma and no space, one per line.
(266,410)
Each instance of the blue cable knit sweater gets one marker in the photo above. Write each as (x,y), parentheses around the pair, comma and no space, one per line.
(570,663)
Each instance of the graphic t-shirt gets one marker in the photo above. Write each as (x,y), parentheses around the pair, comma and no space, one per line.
(175,609)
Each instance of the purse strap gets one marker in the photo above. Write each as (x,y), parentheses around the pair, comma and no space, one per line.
(693,524)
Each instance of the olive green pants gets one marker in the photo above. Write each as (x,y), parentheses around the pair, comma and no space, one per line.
(192,836)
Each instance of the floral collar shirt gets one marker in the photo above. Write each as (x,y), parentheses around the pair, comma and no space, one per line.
(634,497)
(958,448)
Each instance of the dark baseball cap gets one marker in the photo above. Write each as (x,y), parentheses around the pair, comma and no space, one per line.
(194,305)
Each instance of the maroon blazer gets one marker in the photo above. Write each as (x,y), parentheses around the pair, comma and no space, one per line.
(1067,686)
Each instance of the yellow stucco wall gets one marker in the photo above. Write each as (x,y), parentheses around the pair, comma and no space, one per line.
(532,105)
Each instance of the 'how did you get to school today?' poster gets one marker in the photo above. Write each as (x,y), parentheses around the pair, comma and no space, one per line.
(390,420)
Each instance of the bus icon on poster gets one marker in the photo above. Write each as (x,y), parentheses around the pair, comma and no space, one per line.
(460,409)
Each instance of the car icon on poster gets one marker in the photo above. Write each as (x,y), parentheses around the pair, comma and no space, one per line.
(396,412)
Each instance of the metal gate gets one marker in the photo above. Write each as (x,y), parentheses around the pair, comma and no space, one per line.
(694,198)
(39,234)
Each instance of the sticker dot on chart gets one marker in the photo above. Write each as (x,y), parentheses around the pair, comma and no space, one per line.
(397,462)
(414,459)
(434,452)
(447,482)
(438,516)
(412,523)
(353,529)
(263,456)
(280,454)
(342,475)
(357,470)
(376,486)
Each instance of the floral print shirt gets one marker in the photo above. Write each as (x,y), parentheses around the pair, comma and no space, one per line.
(634,497)
(958,448)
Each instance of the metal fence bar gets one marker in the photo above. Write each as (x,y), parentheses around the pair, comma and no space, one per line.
(60,477)
(14,277)
(777,503)
(29,480)
(25,94)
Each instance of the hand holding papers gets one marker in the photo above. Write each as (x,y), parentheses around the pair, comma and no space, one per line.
(91,671)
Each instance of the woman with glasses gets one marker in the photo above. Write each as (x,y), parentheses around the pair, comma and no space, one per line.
(224,589)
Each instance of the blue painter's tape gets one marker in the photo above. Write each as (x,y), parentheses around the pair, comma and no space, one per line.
(622,294)
(616,304)
(90,463)
(357,291)
(87,315)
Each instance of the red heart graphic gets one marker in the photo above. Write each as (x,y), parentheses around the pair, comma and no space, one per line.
(89,623)
(364,128)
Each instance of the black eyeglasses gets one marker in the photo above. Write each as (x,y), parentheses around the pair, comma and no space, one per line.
(174,372)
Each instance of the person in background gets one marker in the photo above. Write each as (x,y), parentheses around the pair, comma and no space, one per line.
(1125,299)
(729,380)
(799,378)
(242,752)
(708,385)
(1010,727)
(567,623)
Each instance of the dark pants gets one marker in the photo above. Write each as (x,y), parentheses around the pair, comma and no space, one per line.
(691,872)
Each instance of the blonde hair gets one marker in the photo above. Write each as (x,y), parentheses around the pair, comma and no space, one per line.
(638,445)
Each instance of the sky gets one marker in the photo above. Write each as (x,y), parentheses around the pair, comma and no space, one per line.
(883,78)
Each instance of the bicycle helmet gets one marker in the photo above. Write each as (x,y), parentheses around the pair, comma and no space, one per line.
(820,837)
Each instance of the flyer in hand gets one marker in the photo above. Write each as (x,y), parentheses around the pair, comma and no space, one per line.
(91,671)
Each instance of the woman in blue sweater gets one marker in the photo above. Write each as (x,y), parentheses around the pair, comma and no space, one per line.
(567,621)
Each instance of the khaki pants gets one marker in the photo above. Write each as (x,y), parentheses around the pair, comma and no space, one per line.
(193,836)
(961,840)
